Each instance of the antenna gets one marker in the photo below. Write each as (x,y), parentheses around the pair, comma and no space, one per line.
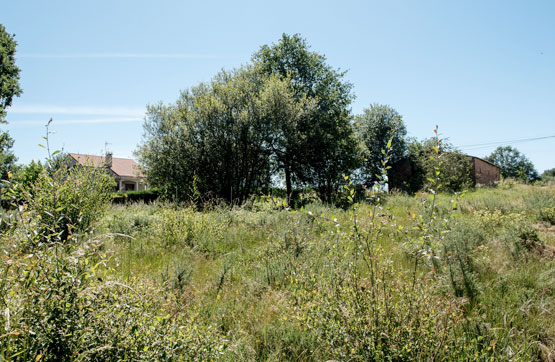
(106,147)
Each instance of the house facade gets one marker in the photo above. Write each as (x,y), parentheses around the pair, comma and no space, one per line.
(484,172)
(125,171)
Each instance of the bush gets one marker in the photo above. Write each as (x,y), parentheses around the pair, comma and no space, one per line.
(21,182)
(58,305)
(146,196)
(67,201)
(547,214)
(455,169)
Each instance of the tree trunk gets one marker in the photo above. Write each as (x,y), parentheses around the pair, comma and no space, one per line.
(288,186)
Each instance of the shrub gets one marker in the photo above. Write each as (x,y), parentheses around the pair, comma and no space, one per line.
(455,169)
(149,195)
(68,201)
(58,305)
(547,214)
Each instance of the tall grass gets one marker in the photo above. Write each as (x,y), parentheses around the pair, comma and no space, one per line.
(431,277)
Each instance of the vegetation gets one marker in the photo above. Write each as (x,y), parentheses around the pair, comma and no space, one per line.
(386,277)
(7,157)
(375,126)
(285,116)
(513,164)
(453,168)
(323,146)
(9,72)
(398,278)
(9,88)
(548,176)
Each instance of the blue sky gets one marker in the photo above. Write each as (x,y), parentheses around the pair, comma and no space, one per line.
(484,71)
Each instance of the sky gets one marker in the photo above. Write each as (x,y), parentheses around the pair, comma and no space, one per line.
(483,71)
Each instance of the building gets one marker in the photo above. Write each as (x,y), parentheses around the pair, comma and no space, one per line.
(484,172)
(408,176)
(125,171)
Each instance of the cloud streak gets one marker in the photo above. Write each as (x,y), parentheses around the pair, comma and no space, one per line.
(120,56)
(52,110)
(77,121)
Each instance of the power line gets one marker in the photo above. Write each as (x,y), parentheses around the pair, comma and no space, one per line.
(489,144)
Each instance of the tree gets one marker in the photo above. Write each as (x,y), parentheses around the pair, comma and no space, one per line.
(548,174)
(513,164)
(284,112)
(215,137)
(455,169)
(321,144)
(375,127)
(9,72)
(7,158)
(9,88)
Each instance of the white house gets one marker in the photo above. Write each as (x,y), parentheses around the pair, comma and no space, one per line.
(125,171)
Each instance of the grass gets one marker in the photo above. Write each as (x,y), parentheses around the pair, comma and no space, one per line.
(409,278)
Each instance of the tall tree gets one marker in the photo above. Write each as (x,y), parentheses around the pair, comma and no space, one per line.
(513,164)
(376,125)
(9,88)
(9,72)
(215,137)
(7,158)
(322,145)
(284,112)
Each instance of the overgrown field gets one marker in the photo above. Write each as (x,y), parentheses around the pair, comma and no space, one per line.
(394,278)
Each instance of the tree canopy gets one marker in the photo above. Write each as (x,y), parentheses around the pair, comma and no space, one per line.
(215,137)
(286,114)
(9,88)
(7,158)
(9,72)
(376,126)
(513,164)
(322,143)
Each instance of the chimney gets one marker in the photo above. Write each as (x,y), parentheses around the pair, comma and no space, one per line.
(108,160)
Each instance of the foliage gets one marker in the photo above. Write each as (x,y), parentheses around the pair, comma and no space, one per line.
(215,134)
(375,125)
(513,164)
(285,115)
(68,202)
(59,305)
(264,283)
(548,173)
(454,167)
(148,195)
(22,181)
(56,204)
(9,72)
(7,158)
(322,147)
(548,176)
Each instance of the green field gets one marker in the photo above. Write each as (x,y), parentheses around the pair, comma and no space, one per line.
(393,278)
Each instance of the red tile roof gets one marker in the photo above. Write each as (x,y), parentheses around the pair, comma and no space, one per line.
(120,166)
